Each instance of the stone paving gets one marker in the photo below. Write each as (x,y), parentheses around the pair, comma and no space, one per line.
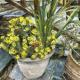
(54,71)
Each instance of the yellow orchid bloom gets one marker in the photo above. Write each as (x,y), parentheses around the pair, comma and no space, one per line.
(14,44)
(53,42)
(37,49)
(13,21)
(23,54)
(34,31)
(2,37)
(15,38)
(12,51)
(27,29)
(53,36)
(21,19)
(8,41)
(34,56)
(49,38)
(2,45)
(32,38)
(42,56)
(47,49)
(24,46)
(17,57)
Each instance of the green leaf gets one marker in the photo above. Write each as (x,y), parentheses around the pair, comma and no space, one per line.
(53,7)
(67,22)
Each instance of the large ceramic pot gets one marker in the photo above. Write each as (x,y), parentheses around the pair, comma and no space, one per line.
(33,69)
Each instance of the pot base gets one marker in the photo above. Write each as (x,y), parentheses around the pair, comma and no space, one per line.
(33,70)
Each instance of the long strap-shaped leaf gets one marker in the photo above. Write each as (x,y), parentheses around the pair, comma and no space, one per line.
(67,22)
(52,7)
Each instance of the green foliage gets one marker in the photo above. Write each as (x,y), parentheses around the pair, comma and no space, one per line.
(46,18)
(35,37)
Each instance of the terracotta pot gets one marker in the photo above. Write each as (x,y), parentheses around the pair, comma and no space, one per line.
(33,69)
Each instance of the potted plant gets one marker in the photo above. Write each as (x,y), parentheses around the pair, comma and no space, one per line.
(31,40)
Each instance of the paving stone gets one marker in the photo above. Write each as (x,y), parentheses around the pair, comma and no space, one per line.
(5,62)
(4,59)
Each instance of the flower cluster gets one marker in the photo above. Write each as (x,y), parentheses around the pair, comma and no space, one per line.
(23,39)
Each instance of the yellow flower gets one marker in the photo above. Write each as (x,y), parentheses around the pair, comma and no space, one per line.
(13,21)
(24,22)
(47,49)
(2,37)
(12,51)
(23,54)
(34,56)
(31,21)
(25,47)
(53,42)
(40,43)
(11,38)
(34,31)
(39,53)
(12,29)
(27,20)
(34,42)
(24,41)
(15,38)
(8,41)
(21,19)
(11,26)
(42,50)
(27,29)
(2,45)
(53,46)
(37,49)
(42,56)
(31,42)
(45,53)
(53,36)
(10,34)
(49,38)
(32,38)
(14,44)
(17,57)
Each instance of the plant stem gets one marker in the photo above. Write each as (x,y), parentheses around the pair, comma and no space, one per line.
(36,6)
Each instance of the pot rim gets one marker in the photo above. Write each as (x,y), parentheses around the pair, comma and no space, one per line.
(78,63)
(37,59)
